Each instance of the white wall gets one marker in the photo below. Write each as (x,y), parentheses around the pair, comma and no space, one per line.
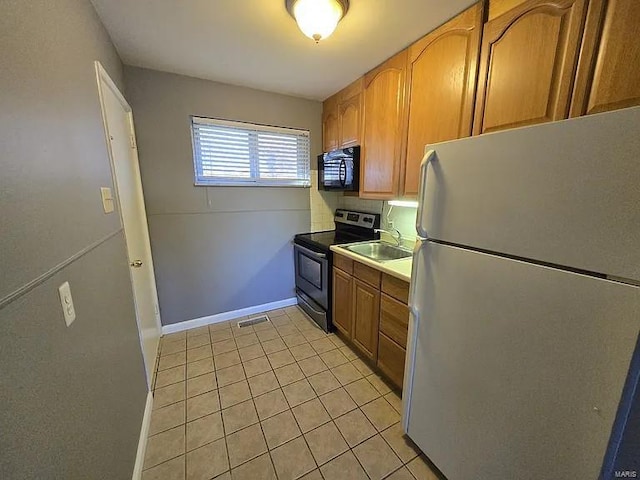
(71,398)
(216,249)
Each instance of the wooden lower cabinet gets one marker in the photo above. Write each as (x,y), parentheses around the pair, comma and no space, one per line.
(366,317)
(391,359)
(396,288)
(394,319)
(342,308)
(370,311)
(367,274)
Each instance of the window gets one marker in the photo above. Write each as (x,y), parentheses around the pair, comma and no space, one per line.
(237,153)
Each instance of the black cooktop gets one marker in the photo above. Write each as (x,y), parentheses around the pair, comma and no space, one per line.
(323,240)
(351,227)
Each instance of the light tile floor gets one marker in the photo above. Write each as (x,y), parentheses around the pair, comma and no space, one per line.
(278,400)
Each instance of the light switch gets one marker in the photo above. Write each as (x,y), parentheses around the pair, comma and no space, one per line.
(67,303)
(107,199)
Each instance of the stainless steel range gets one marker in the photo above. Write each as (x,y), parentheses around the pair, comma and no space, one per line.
(314,260)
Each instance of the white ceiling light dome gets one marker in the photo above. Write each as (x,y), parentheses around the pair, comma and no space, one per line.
(317,18)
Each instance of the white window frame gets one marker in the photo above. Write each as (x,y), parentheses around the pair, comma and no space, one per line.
(303,180)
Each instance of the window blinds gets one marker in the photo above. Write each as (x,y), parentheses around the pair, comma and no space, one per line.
(237,153)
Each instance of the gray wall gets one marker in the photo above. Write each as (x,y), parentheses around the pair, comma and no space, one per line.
(72,398)
(215,249)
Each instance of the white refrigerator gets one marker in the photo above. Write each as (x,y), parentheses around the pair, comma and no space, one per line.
(525,304)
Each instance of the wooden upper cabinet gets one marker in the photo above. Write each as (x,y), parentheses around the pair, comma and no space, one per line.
(382,142)
(350,121)
(528,63)
(609,69)
(330,136)
(350,115)
(442,74)
(498,7)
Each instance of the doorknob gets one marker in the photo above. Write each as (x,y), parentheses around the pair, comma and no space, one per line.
(136,263)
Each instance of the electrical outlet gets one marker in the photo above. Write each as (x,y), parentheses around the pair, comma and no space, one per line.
(67,303)
(390,224)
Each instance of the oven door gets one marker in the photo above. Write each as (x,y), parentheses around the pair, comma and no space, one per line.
(312,274)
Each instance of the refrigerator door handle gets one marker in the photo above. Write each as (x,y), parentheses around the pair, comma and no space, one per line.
(414,267)
(412,335)
(429,156)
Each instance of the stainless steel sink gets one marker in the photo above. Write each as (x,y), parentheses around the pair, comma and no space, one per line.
(379,251)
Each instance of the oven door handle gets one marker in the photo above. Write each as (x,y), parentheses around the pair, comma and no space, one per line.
(310,252)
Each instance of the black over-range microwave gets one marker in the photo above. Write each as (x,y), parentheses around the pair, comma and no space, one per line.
(339,170)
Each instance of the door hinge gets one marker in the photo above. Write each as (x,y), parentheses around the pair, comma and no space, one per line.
(133,141)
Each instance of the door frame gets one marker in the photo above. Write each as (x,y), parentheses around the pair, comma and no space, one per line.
(104,80)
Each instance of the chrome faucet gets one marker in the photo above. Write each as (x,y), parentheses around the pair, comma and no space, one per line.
(398,240)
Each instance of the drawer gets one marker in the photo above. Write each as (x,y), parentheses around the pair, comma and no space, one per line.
(343,263)
(367,274)
(391,359)
(394,319)
(396,288)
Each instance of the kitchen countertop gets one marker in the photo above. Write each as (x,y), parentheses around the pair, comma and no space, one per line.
(396,268)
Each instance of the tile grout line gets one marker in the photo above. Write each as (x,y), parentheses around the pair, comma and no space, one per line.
(265,439)
(303,438)
(305,377)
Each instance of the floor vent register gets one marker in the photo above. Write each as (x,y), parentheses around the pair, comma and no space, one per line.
(253,321)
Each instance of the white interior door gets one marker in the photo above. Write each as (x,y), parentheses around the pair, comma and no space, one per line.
(124,160)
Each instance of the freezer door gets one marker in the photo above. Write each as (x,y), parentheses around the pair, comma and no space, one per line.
(566,193)
(515,370)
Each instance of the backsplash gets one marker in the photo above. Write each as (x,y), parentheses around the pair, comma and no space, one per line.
(323,205)
(360,205)
(403,218)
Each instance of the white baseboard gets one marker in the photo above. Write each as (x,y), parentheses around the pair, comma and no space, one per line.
(223,317)
(142,442)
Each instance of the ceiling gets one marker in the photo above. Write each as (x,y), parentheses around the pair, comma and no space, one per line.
(255,43)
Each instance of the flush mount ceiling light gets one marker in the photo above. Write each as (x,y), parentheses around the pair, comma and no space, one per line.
(317,18)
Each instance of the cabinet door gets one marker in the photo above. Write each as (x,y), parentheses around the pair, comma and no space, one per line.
(330,124)
(350,110)
(394,320)
(342,307)
(442,84)
(527,64)
(609,69)
(384,109)
(391,358)
(366,313)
